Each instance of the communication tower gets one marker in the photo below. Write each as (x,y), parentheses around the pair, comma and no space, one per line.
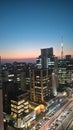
(62,55)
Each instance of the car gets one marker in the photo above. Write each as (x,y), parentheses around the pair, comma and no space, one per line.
(48,118)
(56,124)
(53,127)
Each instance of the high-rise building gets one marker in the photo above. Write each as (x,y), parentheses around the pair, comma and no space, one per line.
(45,54)
(1,111)
(1,102)
(19,104)
(65,71)
(68,57)
(46,59)
(39,62)
(19,108)
(40,88)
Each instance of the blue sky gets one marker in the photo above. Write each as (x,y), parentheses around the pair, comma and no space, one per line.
(26,26)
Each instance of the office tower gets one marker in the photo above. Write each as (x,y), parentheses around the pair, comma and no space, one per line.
(22,80)
(1,111)
(9,90)
(45,54)
(39,62)
(46,59)
(1,102)
(65,71)
(68,57)
(40,88)
(19,108)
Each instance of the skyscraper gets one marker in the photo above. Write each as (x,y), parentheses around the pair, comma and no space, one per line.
(40,85)
(45,54)
(48,61)
(1,102)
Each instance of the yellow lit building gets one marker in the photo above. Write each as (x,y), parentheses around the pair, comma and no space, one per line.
(40,85)
(19,105)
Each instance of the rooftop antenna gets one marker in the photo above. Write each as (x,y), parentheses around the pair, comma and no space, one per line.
(62,48)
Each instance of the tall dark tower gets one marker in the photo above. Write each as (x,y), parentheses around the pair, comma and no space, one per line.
(45,53)
(1,102)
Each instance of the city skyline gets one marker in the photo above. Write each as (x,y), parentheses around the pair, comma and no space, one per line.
(30,25)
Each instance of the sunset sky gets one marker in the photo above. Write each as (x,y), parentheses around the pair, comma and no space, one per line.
(26,26)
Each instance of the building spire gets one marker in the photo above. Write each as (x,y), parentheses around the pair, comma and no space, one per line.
(62,55)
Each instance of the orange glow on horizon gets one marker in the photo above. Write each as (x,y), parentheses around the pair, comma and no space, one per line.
(30,55)
(27,55)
